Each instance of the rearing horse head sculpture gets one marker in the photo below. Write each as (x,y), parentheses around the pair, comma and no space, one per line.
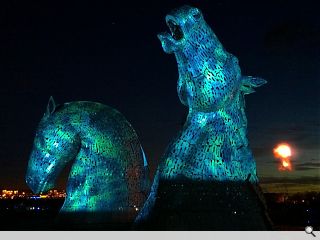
(211,152)
(213,143)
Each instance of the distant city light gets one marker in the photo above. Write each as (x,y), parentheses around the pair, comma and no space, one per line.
(13,194)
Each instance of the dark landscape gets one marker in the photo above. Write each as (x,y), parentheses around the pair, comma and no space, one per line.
(288,212)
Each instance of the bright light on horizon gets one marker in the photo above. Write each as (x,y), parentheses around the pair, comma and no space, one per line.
(283,152)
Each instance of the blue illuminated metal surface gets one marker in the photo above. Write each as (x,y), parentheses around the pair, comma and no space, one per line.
(108,172)
(212,146)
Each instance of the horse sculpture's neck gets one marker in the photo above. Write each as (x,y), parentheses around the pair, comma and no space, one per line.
(104,159)
(212,145)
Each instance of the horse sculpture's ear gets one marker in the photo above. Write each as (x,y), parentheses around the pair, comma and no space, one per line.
(249,83)
(51,107)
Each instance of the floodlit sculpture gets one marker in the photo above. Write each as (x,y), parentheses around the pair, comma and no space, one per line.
(212,147)
(107,180)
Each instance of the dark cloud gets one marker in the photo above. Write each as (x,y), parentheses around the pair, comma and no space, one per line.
(289,188)
(307,166)
(304,136)
(278,161)
(299,180)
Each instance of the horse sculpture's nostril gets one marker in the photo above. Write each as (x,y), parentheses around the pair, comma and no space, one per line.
(33,183)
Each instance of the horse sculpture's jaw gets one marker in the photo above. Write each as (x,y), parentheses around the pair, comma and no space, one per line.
(39,175)
(37,187)
(36,184)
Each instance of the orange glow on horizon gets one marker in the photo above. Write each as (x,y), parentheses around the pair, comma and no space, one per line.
(285,165)
(283,152)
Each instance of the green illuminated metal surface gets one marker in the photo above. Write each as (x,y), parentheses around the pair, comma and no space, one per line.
(108,172)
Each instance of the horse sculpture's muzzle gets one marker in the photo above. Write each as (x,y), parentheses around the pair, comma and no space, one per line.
(36,184)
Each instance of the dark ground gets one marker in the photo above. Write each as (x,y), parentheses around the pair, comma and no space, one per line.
(286,216)
(188,205)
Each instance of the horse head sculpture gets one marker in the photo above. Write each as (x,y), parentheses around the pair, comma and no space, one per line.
(108,173)
(210,84)
(212,148)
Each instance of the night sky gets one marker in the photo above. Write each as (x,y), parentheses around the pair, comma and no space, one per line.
(109,53)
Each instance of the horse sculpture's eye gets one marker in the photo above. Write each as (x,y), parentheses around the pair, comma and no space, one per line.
(196,15)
